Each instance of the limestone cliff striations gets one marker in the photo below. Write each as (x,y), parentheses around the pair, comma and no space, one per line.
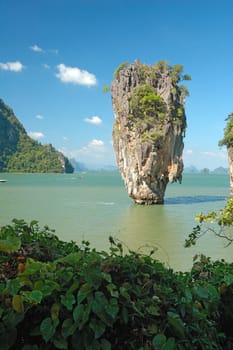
(228,142)
(149,127)
(230,160)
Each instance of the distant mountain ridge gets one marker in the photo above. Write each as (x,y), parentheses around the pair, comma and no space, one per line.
(20,153)
(193,170)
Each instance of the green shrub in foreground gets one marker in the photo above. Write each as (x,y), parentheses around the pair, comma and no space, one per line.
(56,295)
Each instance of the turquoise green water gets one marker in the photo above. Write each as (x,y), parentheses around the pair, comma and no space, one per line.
(92,206)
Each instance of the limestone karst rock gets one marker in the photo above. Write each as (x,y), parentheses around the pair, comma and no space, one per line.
(230,161)
(149,127)
(228,142)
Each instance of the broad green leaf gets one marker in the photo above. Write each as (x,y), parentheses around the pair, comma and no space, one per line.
(60,343)
(32,267)
(48,328)
(124,293)
(68,328)
(13,286)
(68,300)
(176,324)
(78,313)
(34,296)
(10,244)
(46,287)
(112,308)
(169,345)
(158,341)
(72,258)
(228,279)
(93,276)
(83,292)
(17,303)
(113,290)
(188,295)
(213,292)
(202,292)
(107,277)
(98,327)
(73,287)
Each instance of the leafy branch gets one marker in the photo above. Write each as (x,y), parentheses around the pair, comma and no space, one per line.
(223,219)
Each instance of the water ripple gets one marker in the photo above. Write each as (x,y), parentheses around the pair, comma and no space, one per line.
(193,199)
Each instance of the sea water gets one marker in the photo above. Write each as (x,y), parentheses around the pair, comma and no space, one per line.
(94,205)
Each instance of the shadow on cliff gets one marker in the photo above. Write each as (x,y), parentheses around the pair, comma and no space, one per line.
(193,199)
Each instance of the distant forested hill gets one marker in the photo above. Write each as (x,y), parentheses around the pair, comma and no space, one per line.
(20,153)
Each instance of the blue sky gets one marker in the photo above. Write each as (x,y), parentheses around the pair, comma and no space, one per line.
(56,56)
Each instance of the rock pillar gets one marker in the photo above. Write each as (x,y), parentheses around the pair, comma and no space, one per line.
(149,127)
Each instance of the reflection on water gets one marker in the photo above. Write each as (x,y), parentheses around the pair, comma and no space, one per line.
(193,199)
(166,227)
(163,227)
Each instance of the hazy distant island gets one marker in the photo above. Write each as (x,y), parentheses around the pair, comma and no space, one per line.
(20,153)
(192,169)
(218,171)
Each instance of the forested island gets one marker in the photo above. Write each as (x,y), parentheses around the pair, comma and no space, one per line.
(20,153)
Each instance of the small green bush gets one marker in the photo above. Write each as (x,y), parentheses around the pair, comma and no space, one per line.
(57,295)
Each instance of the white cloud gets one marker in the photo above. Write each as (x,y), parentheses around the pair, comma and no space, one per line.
(95,151)
(74,75)
(36,48)
(189,151)
(96,143)
(94,120)
(36,134)
(12,66)
(39,116)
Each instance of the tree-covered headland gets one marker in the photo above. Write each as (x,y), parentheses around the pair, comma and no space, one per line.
(20,153)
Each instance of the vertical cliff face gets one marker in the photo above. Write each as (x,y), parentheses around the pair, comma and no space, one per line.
(149,127)
(230,161)
(227,141)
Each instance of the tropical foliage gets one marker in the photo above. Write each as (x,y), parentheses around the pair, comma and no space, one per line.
(57,295)
(218,223)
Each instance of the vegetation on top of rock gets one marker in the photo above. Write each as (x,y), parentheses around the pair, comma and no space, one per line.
(20,153)
(119,68)
(57,295)
(228,133)
(145,103)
